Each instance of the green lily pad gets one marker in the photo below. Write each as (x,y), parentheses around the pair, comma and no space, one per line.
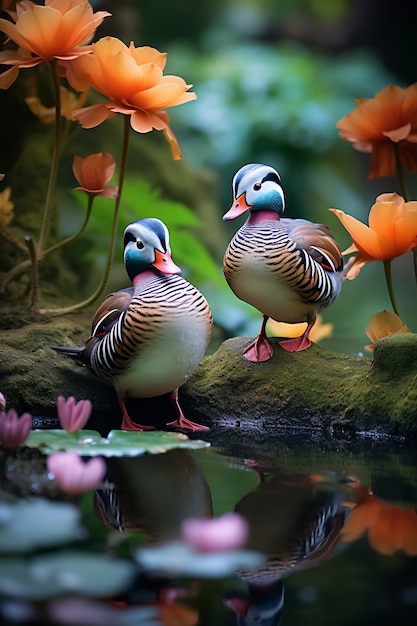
(65,572)
(117,442)
(179,559)
(29,524)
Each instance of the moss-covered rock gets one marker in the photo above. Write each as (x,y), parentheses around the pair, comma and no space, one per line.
(315,389)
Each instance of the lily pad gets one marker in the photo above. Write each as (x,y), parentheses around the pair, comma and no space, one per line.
(29,524)
(65,572)
(179,559)
(117,443)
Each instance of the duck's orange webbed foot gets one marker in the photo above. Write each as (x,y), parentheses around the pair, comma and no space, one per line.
(259,350)
(298,344)
(181,421)
(127,422)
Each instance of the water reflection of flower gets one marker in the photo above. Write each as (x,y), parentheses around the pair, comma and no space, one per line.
(390,528)
(74,476)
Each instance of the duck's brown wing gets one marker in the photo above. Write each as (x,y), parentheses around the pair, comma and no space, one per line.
(110,310)
(317,240)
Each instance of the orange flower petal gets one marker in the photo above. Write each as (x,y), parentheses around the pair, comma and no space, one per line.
(365,239)
(92,116)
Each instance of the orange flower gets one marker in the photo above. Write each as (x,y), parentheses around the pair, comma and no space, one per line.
(132,78)
(379,124)
(94,172)
(282,329)
(69,102)
(390,528)
(59,30)
(384,324)
(6,207)
(392,231)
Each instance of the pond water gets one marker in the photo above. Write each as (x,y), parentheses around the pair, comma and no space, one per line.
(306,497)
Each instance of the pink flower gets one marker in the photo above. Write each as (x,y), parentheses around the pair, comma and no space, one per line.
(2,401)
(73,415)
(14,429)
(74,476)
(228,532)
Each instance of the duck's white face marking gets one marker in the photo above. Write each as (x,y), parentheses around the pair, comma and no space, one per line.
(261,185)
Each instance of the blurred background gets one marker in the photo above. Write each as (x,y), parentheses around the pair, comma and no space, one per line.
(272,77)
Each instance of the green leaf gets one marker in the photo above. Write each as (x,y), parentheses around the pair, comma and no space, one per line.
(178,559)
(117,443)
(29,524)
(61,573)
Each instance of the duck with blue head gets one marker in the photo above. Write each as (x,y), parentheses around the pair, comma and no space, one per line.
(147,339)
(288,269)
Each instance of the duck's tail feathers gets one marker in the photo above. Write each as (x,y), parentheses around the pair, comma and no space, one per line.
(75,353)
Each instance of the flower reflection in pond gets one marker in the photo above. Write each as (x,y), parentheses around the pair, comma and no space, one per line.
(389,527)
(74,476)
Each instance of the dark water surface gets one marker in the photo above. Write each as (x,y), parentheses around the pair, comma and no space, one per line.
(299,491)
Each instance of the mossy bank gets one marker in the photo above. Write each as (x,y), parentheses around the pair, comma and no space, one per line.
(315,389)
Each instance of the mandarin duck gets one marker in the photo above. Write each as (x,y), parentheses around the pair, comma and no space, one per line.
(148,339)
(288,269)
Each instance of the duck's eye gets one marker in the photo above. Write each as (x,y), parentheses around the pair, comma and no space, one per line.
(257,186)
(140,245)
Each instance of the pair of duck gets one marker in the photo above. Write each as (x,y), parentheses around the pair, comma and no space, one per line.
(147,340)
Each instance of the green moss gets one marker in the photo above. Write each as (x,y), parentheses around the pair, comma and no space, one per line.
(315,388)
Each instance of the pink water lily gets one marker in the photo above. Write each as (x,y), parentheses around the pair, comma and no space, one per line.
(73,415)
(74,476)
(224,533)
(14,429)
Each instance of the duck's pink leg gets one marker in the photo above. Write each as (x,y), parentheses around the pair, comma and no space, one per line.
(182,421)
(259,350)
(127,422)
(298,344)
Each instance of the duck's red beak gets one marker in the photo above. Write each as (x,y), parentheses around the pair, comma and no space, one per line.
(238,207)
(165,264)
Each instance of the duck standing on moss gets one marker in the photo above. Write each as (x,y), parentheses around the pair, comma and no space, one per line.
(148,339)
(288,269)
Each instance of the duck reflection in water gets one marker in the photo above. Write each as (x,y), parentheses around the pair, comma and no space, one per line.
(295,520)
(153,494)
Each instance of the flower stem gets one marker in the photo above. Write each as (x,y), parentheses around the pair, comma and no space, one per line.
(50,195)
(64,242)
(85,303)
(388,280)
(404,189)
(34,270)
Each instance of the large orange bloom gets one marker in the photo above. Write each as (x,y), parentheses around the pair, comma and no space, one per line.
(392,231)
(133,80)
(389,527)
(59,30)
(377,124)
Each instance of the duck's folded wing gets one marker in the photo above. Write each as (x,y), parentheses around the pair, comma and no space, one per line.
(317,240)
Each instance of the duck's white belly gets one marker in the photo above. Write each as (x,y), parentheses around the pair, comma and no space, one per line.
(167,362)
(257,285)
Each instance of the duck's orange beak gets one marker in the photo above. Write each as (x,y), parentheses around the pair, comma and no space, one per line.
(165,264)
(238,207)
